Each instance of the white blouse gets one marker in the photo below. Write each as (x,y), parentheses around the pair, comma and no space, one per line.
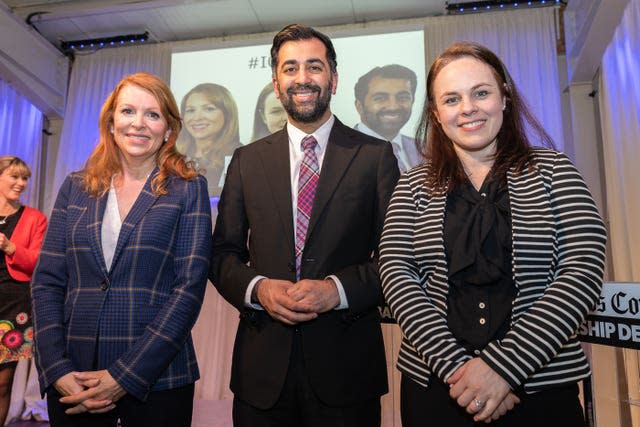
(111,225)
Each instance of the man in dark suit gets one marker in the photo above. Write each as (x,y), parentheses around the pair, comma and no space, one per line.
(384,100)
(295,251)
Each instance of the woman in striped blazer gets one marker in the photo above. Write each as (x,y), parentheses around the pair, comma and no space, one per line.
(491,256)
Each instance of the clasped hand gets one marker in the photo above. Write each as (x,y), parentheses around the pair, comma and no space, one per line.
(92,391)
(6,245)
(479,389)
(293,303)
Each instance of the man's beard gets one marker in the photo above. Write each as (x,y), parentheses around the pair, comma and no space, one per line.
(377,123)
(303,115)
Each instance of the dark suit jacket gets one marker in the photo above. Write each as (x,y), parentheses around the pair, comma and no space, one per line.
(254,235)
(134,318)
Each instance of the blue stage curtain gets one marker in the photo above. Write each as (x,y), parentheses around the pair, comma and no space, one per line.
(21,135)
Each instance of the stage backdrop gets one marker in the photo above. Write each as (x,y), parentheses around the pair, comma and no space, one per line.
(245,71)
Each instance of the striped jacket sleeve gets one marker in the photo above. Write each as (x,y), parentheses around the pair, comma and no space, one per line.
(546,325)
(421,318)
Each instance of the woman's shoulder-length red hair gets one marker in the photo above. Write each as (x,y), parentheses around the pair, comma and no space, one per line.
(105,159)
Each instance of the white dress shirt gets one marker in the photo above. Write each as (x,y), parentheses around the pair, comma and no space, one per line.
(295,160)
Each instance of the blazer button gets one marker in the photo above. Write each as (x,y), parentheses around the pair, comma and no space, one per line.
(292,266)
(105,284)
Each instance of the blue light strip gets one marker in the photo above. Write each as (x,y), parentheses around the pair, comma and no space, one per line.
(94,44)
(487,6)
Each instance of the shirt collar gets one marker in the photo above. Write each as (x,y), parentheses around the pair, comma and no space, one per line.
(366,129)
(321,134)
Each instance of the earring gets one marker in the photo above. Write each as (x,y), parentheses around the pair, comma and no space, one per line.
(504,107)
(111,130)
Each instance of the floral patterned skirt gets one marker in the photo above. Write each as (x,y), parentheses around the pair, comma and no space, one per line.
(16,328)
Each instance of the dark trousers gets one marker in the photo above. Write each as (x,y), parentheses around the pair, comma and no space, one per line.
(298,405)
(557,407)
(166,408)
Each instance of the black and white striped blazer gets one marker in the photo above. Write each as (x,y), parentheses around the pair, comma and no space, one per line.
(558,262)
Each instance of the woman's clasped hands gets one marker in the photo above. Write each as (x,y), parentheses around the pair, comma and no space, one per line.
(93,391)
(481,391)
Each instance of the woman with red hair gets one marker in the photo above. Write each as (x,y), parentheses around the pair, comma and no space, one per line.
(123,272)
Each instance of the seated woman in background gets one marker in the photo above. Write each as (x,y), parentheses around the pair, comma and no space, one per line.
(211,131)
(491,256)
(21,232)
(123,272)
(269,115)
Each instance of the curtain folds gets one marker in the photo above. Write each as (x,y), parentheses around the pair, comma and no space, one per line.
(21,135)
(620,116)
(619,106)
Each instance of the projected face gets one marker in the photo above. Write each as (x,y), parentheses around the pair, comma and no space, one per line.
(273,113)
(202,118)
(387,106)
(305,83)
(139,128)
(469,105)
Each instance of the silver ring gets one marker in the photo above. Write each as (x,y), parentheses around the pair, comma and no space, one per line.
(479,404)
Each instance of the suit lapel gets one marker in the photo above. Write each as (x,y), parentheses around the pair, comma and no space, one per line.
(277,172)
(95,213)
(145,200)
(337,158)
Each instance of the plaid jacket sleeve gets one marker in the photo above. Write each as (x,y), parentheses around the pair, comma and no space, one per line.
(48,291)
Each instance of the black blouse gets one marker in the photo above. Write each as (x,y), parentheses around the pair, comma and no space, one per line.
(7,228)
(477,239)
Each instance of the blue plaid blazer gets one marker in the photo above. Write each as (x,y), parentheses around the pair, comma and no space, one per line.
(135,318)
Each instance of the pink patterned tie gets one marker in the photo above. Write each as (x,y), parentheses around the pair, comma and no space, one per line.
(307,183)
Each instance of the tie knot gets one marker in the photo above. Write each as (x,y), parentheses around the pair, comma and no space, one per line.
(308,143)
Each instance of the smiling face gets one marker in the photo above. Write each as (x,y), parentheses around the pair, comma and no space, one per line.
(273,113)
(469,106)
(12,184)
(387,106)
(304,82)
(203,119)
(139,127)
